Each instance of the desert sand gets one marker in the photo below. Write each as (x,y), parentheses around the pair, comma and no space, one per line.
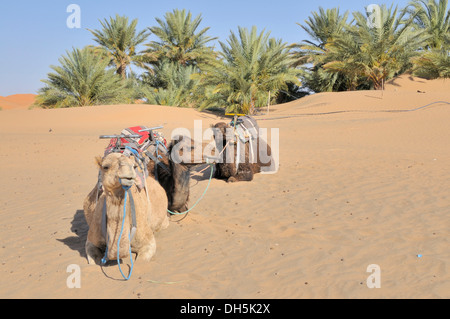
(357,185)
(17,101)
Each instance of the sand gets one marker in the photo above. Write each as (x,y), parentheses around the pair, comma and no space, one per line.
(356,186)
(17,101)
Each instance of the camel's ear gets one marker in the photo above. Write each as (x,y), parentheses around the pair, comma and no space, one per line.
(98,161)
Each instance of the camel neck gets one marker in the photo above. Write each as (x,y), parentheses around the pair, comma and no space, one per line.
(114,204)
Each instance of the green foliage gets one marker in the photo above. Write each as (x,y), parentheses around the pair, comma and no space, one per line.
(179,40)
(433,17)
(175,58)
(358,55)
(432,64)
(182,68)
(170,84)
(375,53)
(323,27)
(251,66)
(120,39)
(82,79)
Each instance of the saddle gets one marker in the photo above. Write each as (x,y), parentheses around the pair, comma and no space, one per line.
(142,143)
(137,138)
(246,130)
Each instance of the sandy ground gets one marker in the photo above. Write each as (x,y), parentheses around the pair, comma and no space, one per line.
(356,186)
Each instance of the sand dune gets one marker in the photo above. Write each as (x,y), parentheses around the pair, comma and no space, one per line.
(408,83)
(17,101)
(357,185)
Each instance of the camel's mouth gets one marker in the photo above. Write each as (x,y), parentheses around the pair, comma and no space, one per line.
(127,182)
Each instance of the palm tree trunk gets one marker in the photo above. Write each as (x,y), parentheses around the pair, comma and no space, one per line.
(377,84)
(122,70)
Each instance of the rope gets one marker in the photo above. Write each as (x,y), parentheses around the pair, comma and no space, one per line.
(126,188)
(352,111)
(200,198)
(104,259)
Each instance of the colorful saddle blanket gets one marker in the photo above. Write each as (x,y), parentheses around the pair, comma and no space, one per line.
(136,139)
(141,143)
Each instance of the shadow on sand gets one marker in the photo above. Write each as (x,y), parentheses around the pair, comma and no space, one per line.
(77,243)
(80,228)
(201,172)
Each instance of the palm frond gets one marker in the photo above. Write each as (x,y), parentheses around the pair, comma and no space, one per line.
(251,64)
(120,39)
(81,79)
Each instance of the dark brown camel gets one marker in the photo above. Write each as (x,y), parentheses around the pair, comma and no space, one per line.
(173,176)
(251,160)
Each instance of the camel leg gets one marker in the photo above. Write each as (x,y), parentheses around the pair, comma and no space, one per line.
(148,250)
(245,174)
(93,253)
(232,179)
(166,221)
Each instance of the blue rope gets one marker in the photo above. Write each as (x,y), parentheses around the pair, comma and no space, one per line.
(126,188)
(104,259)
(157,149)
(132,150)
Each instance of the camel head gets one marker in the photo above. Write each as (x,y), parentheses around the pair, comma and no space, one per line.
(117,171)
(182,150)
(221,127)
(220,131)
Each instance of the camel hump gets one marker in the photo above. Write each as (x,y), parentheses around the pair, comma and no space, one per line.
(249,122)
(247,128)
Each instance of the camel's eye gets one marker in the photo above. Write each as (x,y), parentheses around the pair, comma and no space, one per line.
(105,167)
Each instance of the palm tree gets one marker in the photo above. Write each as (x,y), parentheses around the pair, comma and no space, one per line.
(251,66)
(323,27)
(170,84)
(179,40)
(375,53)
(432,64)
(82,79)
(120,40)
(433,17)
(179,54)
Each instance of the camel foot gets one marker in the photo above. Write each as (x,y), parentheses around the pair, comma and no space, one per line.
(232,179)
(147,252)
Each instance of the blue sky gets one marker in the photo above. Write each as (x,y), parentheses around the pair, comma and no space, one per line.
(34,34)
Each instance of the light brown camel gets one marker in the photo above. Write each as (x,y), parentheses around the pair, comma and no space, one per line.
(117,170)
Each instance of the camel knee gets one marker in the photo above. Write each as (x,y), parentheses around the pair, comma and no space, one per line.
(93,253)
(148,251)
(232,179)
(165,222)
